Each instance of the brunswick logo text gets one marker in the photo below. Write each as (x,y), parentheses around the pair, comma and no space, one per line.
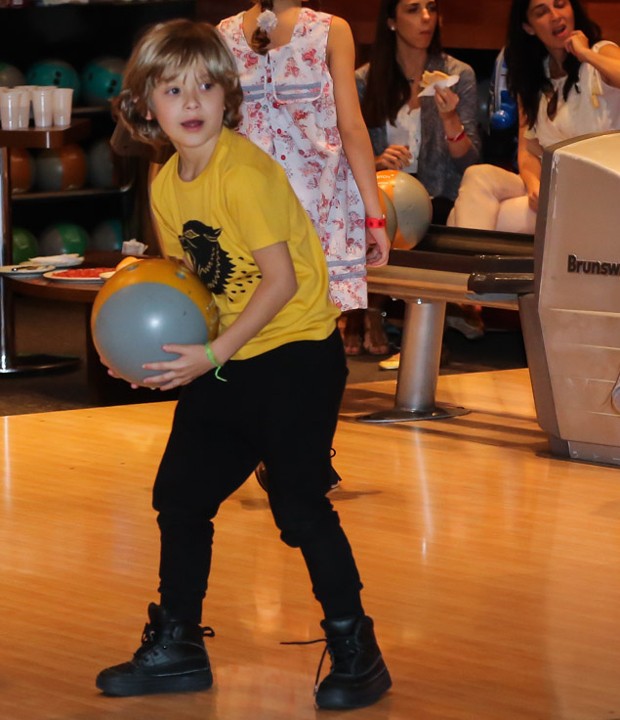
(592,267)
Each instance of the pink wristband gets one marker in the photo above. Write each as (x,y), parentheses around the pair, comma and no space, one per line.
(375,222)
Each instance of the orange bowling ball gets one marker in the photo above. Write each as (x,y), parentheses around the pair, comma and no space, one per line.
(412,205)
(387,208)
(61,168)
(21,170)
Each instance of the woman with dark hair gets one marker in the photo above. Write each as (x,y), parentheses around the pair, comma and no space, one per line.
(567,83)
(433,136)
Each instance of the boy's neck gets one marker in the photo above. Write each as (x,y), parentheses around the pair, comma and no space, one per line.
(193,161)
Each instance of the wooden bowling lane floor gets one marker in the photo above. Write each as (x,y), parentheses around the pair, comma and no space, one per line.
(491,569)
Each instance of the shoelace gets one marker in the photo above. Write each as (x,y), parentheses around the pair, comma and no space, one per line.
(312,642)
(149,634)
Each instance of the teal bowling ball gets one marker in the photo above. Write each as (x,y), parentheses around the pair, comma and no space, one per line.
(25,245)
(102,80)
(63,237)
(54,72)
(107,236)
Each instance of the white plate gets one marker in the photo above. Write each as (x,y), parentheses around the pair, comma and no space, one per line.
(443,83)
(55,275)
(25,270)
(107,275)
(66,260)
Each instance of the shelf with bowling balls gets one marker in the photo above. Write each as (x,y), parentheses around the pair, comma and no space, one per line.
(81,170)
(53,171)
(59,238)
(99,80)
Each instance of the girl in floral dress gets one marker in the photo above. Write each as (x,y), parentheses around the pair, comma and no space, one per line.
(301,106)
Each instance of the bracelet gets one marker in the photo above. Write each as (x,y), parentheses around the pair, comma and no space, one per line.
(375,222)
(461,134)
(214,361)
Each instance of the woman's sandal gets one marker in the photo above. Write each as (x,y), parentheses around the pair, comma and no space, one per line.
(375,339)
(351,325)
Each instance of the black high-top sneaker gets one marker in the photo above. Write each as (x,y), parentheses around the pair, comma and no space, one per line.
(358,675)
(172,658)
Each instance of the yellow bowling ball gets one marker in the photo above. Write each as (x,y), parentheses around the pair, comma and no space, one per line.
(145,305)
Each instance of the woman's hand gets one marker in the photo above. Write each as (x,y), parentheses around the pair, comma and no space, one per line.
(377,247)
(446,102)
(577,44)
(394,157)
(191,363)
(533,189)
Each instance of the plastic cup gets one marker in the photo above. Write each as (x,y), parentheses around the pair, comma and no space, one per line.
(62,101)
(26,104)
(43,106)
(10,109)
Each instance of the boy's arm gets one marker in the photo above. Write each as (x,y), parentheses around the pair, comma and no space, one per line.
(353,131)
(277,286)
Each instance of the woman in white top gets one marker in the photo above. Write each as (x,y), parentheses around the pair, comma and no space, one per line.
(567,83)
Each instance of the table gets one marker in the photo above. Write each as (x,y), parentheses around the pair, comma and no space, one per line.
(104,389)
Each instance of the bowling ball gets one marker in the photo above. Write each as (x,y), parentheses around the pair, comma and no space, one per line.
(54,72)
(387,208)
(21,170)
(101,169)
(102,80)
(412,205)
(25,245)
(107,236)
(507,114)
(63,238)
(145,305)
(10,76)
(61,168)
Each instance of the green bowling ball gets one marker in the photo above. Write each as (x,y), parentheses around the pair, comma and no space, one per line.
(63,238)
(25,245)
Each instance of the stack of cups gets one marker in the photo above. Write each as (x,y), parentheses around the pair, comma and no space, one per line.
(51,106)
(12,114)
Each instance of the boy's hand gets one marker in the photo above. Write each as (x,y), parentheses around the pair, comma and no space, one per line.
(191,363)
(377,247)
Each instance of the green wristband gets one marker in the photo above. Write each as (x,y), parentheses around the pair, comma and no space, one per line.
(214,361)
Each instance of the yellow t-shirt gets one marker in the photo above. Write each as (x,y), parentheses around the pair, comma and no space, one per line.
(242,202)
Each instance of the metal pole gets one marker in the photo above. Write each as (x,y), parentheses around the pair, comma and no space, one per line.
(420,357)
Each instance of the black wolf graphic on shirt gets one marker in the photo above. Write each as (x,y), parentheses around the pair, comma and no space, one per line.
(211,263)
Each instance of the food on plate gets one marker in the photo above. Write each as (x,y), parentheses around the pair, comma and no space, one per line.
(431,77)
(81,273)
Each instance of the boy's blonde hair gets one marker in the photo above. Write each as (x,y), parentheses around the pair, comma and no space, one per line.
(165,51)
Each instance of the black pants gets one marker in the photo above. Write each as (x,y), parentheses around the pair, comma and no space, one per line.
(280,407)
